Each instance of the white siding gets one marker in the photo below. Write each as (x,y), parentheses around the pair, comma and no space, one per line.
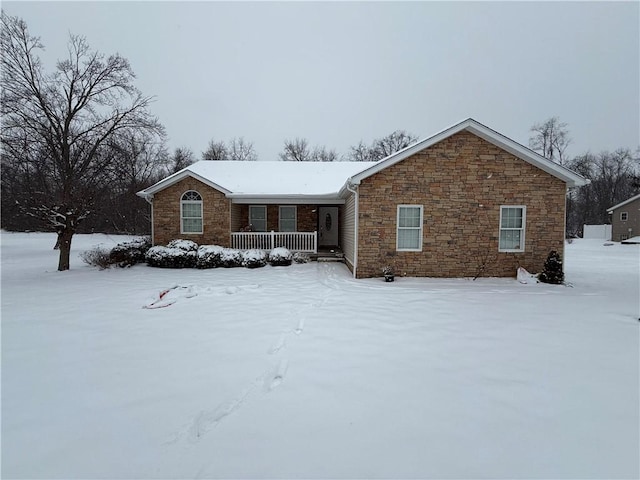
(348,226)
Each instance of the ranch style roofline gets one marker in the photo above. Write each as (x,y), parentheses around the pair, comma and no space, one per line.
(570,177)
(148,193)
(622,204)
(329,182)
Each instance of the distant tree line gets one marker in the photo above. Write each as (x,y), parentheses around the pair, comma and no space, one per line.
(79,142)
(614,176)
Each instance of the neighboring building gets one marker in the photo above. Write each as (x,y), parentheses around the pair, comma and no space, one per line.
(625,219)
(465,201)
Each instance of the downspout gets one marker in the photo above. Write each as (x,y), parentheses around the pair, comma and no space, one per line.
(355,229)
(149,199)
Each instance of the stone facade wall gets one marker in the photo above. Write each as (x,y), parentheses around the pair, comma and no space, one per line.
(216,214)
(461,183)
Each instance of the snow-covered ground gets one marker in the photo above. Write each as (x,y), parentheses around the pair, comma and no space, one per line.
(304,372)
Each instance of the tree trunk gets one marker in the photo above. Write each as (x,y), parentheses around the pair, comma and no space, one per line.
(58,240)
(65,248)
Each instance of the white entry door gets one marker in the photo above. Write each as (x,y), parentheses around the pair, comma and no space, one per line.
(328,226)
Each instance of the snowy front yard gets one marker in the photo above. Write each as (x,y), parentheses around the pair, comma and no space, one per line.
(304,372)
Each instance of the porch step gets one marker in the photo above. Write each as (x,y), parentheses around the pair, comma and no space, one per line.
(328,256)
(330,259)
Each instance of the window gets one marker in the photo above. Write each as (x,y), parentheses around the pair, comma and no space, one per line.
(258,218)
(288,219)
(191,212)
(409,233)
(624,216)
(512,225)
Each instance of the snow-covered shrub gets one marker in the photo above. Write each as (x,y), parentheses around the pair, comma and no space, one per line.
(166,257)
(254,258)
(301,257)
(98,256)
(129,253)
(186,245)
(231,257)
(209,256)
(280,257)
(552,272)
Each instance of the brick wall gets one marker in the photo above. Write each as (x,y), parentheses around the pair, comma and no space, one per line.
(461,182)
(166,214)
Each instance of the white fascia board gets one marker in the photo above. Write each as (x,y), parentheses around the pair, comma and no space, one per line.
(491,136)
(286,199)
(570,177)
(622,204)
(175,178)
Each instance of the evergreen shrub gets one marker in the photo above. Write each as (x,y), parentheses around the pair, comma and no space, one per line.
(552,272)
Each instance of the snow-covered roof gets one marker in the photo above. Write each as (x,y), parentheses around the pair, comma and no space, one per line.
(255,180)
(315,182)
(570,177)
(622,204)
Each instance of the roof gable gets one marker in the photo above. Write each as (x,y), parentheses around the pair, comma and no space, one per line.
(470,125)
(267,180)
(622,204)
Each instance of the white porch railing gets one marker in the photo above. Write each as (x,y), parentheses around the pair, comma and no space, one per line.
(294,241)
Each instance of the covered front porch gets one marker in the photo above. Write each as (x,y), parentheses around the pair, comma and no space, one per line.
(306,242)
(307,228)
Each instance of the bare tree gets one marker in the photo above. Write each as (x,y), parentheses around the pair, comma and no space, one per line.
(242,150)
(139,160)
(392,143)
(68,115)
(381,147)
(296,150)
(551,139)
(613,180)
(237,149)
(360,153)
(216,151)
(321,154)
(182,157)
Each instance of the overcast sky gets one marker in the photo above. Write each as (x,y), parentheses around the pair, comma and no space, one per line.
(337,73)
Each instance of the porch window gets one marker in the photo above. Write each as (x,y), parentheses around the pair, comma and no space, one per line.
(258,217)
(512,228)
(624,216)
(409,228)
(288,218)
(191,212)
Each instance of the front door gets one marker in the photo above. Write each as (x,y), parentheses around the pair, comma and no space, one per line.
(328,226)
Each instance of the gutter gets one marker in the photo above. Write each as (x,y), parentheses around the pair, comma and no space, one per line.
(355,229)
(149,198)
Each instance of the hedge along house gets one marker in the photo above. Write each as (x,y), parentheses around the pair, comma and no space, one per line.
(465,201)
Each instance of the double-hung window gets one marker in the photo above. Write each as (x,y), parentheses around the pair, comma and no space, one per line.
(191,212)
(513,219)
(288,218)
(409,228)
(258,218)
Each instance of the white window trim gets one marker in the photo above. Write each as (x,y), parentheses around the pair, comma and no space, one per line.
(182,217)
(266,224)
(522,230)
(295,217)
(419,249)
(626,216)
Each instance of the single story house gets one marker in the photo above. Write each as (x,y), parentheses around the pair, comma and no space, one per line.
(464,201)
(625,219)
